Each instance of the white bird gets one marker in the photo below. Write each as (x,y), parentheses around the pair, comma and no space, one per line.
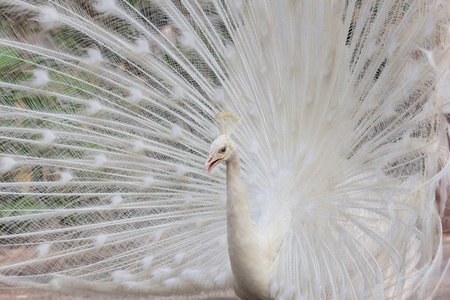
(334,147)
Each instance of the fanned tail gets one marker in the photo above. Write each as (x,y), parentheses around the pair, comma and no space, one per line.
(106,116)
(345,137)
(107,110)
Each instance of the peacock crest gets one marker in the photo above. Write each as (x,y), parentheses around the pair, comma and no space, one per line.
(228,122)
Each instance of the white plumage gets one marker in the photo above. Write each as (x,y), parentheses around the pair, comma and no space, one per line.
(106,116)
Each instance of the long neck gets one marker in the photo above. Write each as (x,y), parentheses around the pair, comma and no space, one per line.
(248,250)
(237,199)
(239,223)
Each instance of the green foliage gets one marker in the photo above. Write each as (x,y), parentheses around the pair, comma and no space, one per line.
(18,207)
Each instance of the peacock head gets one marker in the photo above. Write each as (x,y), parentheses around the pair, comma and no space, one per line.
(222,147)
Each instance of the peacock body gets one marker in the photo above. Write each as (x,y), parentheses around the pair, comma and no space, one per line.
(107,114)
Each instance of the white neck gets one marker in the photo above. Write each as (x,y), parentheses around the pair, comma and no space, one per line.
(249,251)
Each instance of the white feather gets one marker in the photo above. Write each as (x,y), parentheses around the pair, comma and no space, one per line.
(6,164)
(48,17)
(41,78)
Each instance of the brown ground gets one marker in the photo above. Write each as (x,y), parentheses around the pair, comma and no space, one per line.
(442,294)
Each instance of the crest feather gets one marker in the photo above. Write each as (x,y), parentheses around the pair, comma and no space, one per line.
(228,122)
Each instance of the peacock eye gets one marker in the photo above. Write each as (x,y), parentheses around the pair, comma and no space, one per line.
(223,149)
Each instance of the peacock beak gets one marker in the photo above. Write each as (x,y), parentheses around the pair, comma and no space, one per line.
(211,163)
